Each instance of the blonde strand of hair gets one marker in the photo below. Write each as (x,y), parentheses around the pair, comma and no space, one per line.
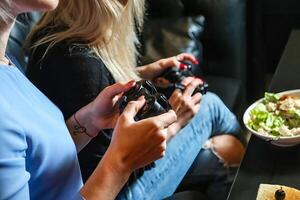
(108,29)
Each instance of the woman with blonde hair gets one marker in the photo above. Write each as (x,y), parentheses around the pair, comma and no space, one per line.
(83,46)
(37,154)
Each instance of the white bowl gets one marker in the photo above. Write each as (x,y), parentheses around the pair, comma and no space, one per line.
(283,141)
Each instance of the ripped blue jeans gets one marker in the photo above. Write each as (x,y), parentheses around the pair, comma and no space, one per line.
(161,181)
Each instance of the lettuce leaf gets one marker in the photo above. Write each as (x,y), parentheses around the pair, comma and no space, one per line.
(258,115)
(271,97)
(274,121)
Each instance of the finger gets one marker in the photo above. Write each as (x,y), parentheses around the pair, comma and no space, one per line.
(117,98)
(158,137)
(157,146)
(183,111)
(177,93)
(175,100)
(186,56)
(172,62)
(189,111)
(186,114)
(117,88)
(133,108)
(153,154)
(159,150)
(190,88)
(196,98)
(162,149)
(164,132)
(164,120)
(187,80)
(185,117)
(162,82)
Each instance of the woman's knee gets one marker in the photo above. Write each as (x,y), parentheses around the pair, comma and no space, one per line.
(227,148)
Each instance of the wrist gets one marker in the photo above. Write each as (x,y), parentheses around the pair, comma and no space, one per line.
(117,165)
(84,121)
(107,180)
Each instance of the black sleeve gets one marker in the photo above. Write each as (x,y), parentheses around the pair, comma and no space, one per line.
(70,80)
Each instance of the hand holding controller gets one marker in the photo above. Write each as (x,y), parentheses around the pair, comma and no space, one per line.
(156,104)
(175,75)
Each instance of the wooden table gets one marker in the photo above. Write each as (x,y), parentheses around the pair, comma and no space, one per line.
(264,162)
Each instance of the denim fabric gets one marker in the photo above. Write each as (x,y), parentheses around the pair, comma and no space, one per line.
(209,176)
(160,182)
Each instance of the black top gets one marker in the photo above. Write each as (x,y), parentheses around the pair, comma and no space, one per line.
(72,76)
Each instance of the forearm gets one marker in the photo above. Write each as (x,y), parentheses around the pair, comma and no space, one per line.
(153,70)
(81,128)
(107,180)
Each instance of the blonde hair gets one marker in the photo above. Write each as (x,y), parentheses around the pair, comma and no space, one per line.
(107,27)
(5,15)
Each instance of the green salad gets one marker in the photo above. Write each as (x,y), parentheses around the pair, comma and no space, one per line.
(276,116)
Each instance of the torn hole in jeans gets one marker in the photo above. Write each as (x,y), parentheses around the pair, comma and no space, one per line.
(210,145)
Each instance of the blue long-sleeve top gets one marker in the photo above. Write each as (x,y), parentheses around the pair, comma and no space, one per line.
(37,155)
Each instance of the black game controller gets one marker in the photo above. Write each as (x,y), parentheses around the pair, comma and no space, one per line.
(175,76)
(156,104)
